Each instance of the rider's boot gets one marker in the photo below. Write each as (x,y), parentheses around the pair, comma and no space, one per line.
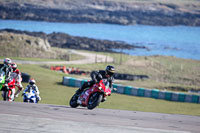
(17,93)
(104,99)
(80,90)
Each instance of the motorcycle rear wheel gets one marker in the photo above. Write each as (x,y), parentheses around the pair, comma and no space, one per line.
(73,102)
(94,100)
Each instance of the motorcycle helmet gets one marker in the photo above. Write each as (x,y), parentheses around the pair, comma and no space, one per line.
(32,81)
(7,61)
(14,66)
(110,70)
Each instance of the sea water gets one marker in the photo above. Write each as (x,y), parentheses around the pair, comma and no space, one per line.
(179,41)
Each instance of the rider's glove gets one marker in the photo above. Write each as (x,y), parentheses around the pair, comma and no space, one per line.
(6,84)
(115,89)
(16,95)
(23,94)
(38,98)
(6,87)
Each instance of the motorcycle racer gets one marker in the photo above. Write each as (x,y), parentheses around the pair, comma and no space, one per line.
(16,74)
(105,75)
(7,67)
(32,83)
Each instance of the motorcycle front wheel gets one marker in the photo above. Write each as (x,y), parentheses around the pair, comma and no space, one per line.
(26,101)
(5,95)
(73,102)
(94,100)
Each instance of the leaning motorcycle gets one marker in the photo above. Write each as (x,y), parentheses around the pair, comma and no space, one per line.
(91,97)
(8,89)
(30,96)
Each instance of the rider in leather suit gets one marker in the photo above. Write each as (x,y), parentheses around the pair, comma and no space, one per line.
(97,76)
(7,67)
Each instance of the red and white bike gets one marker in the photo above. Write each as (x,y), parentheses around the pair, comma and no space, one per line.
(91,97)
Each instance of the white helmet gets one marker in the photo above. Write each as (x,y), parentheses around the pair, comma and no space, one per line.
(7,61)
(31,81)
(14,65)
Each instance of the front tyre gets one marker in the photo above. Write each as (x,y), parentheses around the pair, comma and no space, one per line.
(73,102)
(5,95)
(25,100)
(94,100)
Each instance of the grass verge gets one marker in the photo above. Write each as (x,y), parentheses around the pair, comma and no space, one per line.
(53,92)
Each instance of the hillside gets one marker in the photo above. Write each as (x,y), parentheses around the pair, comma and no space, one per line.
(22,45)
(128,12)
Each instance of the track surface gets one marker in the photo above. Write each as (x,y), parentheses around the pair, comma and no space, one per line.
(17,117)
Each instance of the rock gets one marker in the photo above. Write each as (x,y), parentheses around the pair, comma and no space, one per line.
(40,43)
(23,45)
(63,40)
(102,11)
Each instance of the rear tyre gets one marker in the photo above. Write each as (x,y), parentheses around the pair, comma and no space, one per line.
(73,102)
(94,100)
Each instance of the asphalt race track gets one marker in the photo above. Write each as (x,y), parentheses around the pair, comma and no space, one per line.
(17,117)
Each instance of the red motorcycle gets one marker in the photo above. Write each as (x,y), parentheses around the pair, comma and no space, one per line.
(9,90)
(91,97)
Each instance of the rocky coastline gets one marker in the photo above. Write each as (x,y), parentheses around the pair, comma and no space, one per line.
(102,11)
(63,40)
(97,11)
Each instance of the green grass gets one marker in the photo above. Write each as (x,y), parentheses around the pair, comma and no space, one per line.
(57,50)
(28,59)
(53,92)
(124,102)
(165,72)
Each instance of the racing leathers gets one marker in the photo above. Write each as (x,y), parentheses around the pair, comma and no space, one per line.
(96,77)
(35,88)
(8,70)
(16,74)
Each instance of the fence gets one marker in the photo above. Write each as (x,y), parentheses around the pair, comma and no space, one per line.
(141,92)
